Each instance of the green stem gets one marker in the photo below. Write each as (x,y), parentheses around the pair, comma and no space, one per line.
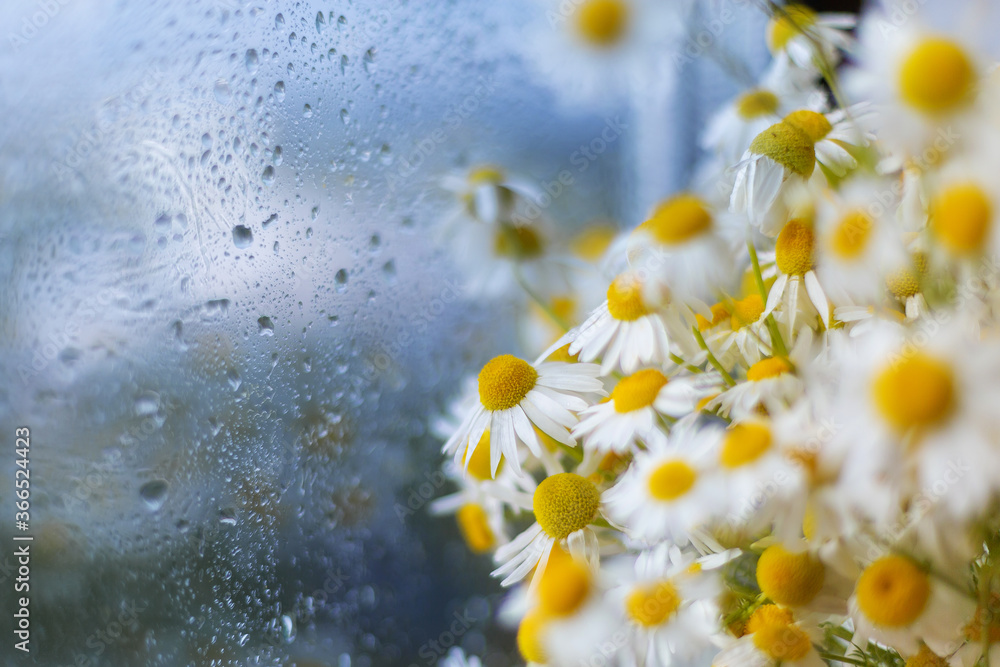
(537,298)
(711,358)
(777,342)
(841,658)
(680,362)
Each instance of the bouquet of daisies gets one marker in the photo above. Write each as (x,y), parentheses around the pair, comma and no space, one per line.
(762,427)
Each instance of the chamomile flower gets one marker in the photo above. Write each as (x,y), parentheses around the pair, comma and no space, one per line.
(744,334)
(794,252)
(773,639)
(489,194)
(799,37)
(964,207)
(514,396)
(633,412)
(898,603)
(667,491)
(626,332)
(565,505)
(799,580)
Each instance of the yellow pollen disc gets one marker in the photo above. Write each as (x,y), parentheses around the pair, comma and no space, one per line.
(782,642)
(486,174)
(927,658)
(793,251)
(918,391)
(479,462)
(719,313)
(768,615)
(529,637)
(771,367)
(564,588)
(744,443)
(602,22)
(653,604)
(788,146)
(974,630)
(785,25)
(960,218)
(849,238)
(892,592)
(671,480)
(638,390)
(746,311)
(936,77)
(591,243)
(756,103)
(517,241)
(625,301)
(812,124)
(791,579)
(505,381)
(564,503)
(678,219)
(475,528)
(903,284)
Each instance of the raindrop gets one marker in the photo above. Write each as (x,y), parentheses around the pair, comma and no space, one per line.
(227,516)
(389,271)
(276,156)
(279,21)
(279,91)
(270,220)
(287,628)
(345,116)
(341,280)
(307,111)
(251,61)
(147,403)
(222,92)
(320,22)
(314,213)
(234,379)
(268,175)
(369,60)
(266,326)
(242,236)
(154,494)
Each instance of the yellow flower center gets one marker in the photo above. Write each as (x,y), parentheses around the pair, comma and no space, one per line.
(671,480)
(591,243)
(638,390)
(564,588)
(793,251)
(768,368)
(918,391)
(785,25)
(602,23)
(479,462)
(936,77)
(744,443)
(529,637)
(961,217)
(768,614)
(562,354)
(564,503)
(678,219)
(893,591)
(486,174)
(791,579)
(475,528)
(788,146)
(812,124)
(927,658)
(505,381)
(782,642)
(719,313)
(517,242)
(756,103)
(903,284)
(625,301)
(746,311)
(849,238)
(653,604)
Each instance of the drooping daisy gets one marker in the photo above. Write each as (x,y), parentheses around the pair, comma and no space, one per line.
(627,332)
(744,335)
(565,505)
(898,603)
(773,638)
(633,412)
(666,492)
(515,395)
(686,247)
(788,153)
(797,36)
(793,258)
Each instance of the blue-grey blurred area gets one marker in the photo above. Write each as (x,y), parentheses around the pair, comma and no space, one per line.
(226,319)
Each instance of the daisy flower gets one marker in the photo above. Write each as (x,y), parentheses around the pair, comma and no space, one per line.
(899,604)
(633,412)
(905,285)
(787,153)
(565,505)
(773,638)
(799,580)
(667,492)
(743,333)
(964,206)
(626,332)
(487,193)
(514,396)
(799,37)
(793,260)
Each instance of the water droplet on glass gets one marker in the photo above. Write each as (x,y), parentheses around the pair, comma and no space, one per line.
(277,156)
(222,92)
(307,111)
(251,61)
(320,22)
(270,220)
(288,628)
(147,403)
(242,236)
(369,60)
(234,379)
(227,516)
(154,494)
(341,279)
(268,175)
(314,213)
(345,116)
(389,271)
(279,91)
(266,326)
(279,21)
